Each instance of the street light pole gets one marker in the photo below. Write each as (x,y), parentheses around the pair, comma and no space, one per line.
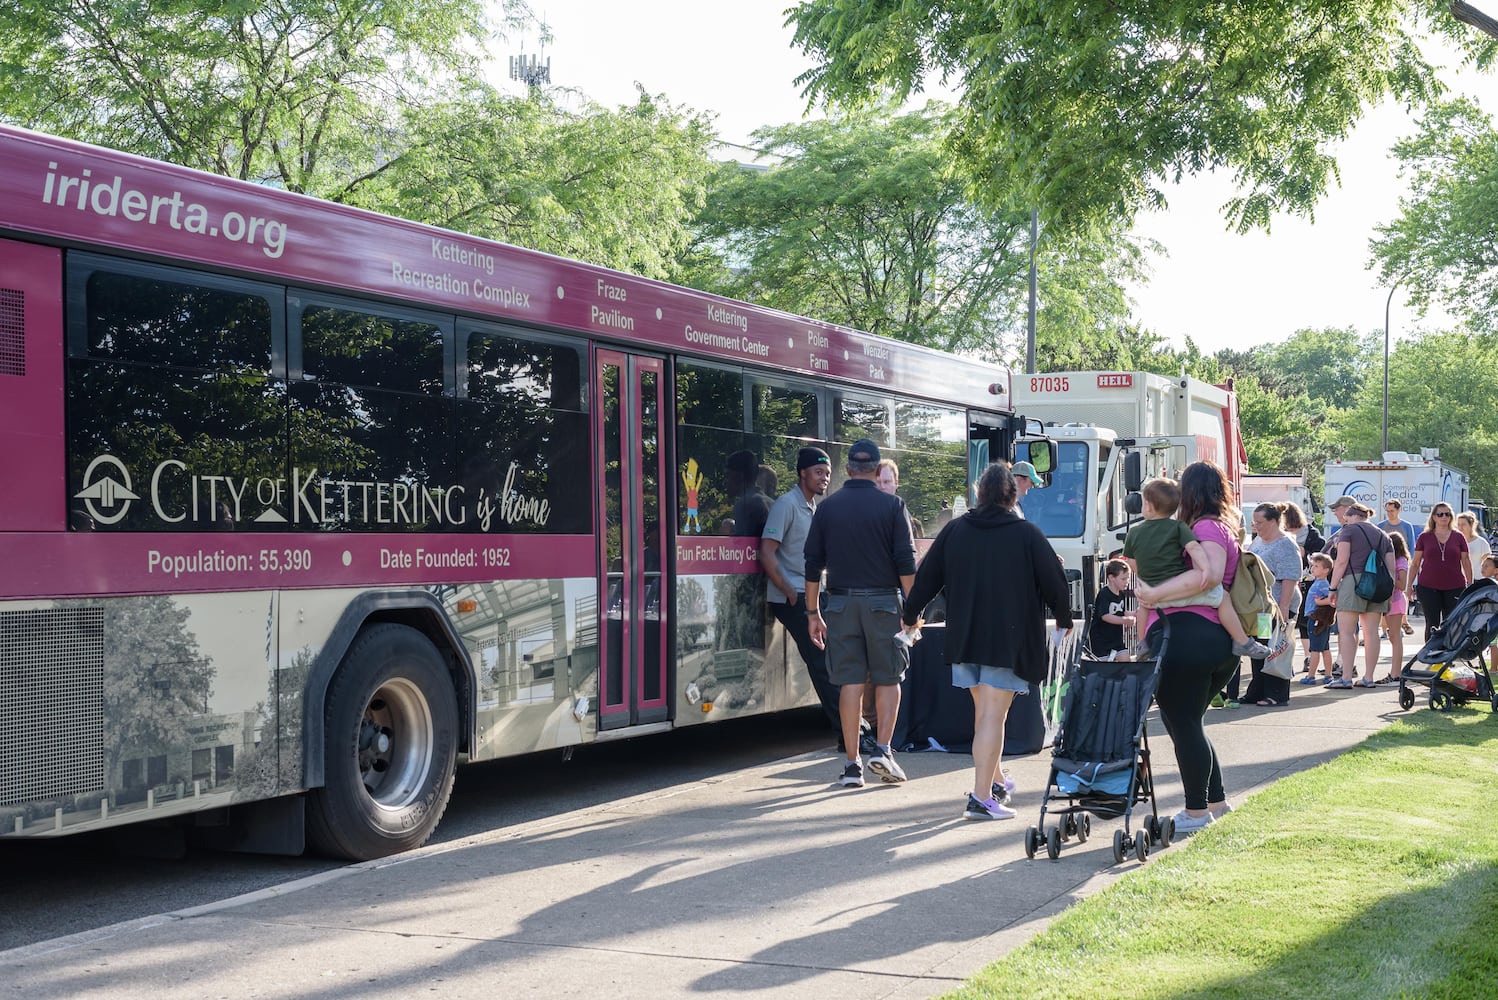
(1387,303)
(1030,315)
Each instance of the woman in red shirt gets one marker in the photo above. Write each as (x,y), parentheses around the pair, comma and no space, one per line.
(1439,567)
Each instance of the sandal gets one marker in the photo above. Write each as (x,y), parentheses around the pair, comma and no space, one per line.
(1364,683)
(1269,703)
(1387,680)
(1308,679)
(1340,685)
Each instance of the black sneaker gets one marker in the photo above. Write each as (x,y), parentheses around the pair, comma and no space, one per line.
(867,747)
(852,776)
(883,764)
(1003,790)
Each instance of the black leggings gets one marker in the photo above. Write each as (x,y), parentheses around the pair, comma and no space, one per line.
(1198,662)
(1436,604)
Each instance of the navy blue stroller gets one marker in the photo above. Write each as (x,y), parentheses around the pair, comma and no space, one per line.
(1101,759)
(1462,638)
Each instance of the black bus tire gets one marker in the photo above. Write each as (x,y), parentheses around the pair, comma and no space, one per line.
(390,747)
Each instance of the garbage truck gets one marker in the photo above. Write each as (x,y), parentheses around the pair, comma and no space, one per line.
(1113,430)
(1417,481)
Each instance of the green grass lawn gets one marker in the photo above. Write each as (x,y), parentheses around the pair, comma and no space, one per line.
(1374,875)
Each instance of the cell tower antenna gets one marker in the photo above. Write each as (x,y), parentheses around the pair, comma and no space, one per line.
(534,71)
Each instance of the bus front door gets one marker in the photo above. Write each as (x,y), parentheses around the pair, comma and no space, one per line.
(632,672)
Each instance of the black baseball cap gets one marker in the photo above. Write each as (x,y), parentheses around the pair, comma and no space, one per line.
(863,450)
(743,462)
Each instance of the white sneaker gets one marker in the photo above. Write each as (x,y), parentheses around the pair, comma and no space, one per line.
(1186,823)
(884,765)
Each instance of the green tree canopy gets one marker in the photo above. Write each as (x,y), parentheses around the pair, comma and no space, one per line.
(1328,366)
(1293,397)
(1443,247)
(374,103)
(619,187)
(1437,399)
(1091,108)
(269,90)
(862,220)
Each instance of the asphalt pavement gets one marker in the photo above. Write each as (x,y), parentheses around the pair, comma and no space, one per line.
(767,881)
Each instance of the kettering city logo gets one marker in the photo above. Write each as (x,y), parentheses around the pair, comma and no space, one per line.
(106,495)
(176,493)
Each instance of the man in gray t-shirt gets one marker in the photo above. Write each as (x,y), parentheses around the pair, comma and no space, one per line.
(782,557)
(1392,508)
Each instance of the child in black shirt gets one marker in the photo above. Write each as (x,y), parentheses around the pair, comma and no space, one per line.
(1105,637)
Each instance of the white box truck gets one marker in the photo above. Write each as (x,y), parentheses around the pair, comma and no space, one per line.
(1099,419)
(1418,482)
(1274,488)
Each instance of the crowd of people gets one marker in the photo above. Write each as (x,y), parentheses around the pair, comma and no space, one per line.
(1316,589)
(843,579)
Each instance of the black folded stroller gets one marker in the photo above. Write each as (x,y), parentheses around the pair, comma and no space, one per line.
(1456,651)
(1101,759)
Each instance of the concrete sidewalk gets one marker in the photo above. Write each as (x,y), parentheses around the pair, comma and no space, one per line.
(767,881)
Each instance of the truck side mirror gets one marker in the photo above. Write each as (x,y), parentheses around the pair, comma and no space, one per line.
(1044,454)
(1133,502)
(1133,471)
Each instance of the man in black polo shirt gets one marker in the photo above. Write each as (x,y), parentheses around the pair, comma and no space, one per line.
(861,538)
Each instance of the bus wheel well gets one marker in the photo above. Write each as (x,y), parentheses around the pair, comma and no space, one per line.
(427,622)
(417,610)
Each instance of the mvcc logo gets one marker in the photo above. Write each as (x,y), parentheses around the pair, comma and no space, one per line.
(106,490)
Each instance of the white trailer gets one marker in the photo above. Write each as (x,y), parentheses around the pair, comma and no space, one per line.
(1418,482)
(1097,420)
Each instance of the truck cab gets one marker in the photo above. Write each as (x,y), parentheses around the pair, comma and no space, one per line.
(1098,421)
(1084,509)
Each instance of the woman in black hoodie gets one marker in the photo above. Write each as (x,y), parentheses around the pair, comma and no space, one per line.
(999,573)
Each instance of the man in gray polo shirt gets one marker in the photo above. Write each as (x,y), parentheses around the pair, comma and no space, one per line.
(862,538)
(782,556)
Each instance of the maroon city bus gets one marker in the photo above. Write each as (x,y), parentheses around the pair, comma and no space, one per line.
(303,504)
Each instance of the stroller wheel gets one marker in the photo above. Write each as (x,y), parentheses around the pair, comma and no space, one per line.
(1084,828)
(1438,700)
(1142,846)
(1407,699)
(1162,831)
(1032,842)
(1068,827)
(1118,847)
(1053,843)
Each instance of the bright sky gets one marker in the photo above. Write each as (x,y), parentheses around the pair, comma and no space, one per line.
(1220,289)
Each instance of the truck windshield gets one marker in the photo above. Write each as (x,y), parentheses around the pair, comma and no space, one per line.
(1060,508)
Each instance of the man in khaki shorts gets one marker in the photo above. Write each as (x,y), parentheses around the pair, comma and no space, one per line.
(861,537)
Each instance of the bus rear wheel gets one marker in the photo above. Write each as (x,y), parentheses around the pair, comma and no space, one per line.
(390,747)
